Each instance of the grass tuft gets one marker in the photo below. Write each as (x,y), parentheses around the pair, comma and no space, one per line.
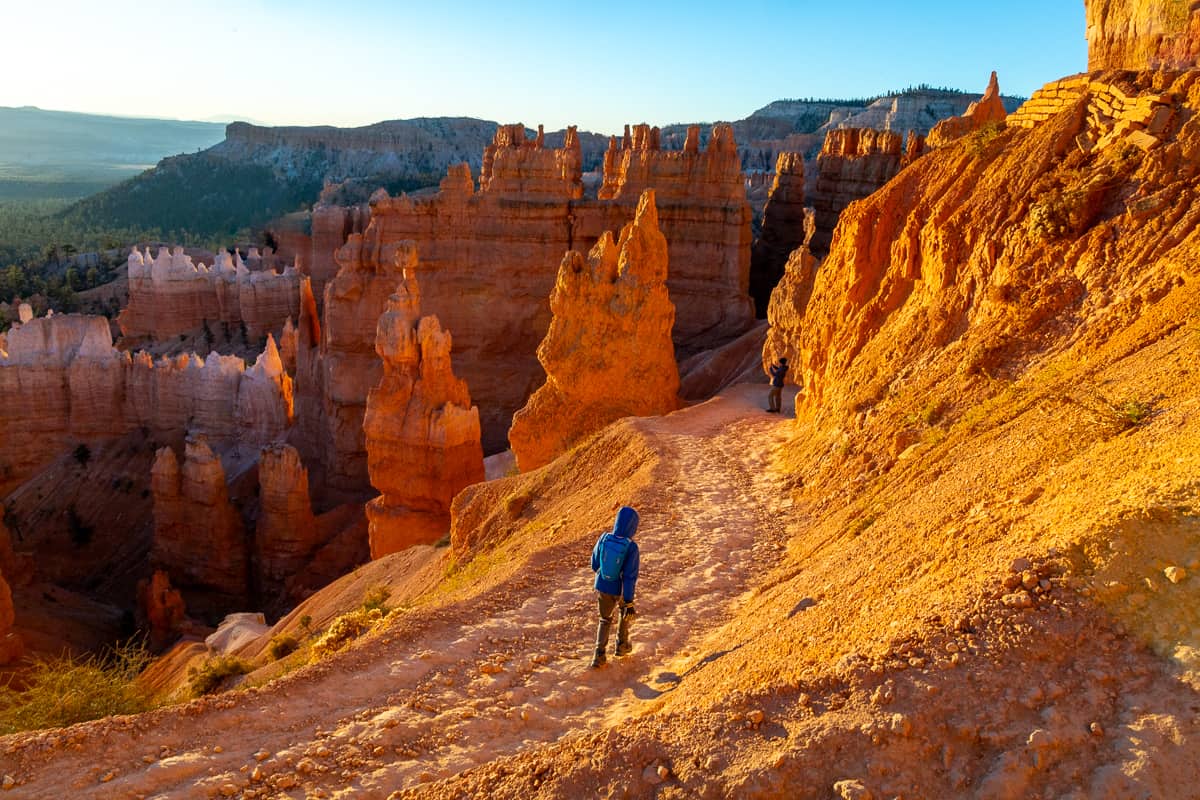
(209,676)
(65,691)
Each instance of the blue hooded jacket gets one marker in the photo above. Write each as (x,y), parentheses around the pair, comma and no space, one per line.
(625,527)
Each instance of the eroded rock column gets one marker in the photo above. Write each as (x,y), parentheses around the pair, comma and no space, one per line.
(422,433)
(608,353)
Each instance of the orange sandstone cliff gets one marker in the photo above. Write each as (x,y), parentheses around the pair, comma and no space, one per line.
(988,110)
(1142,34)
(422,433)
(608,353)
(782,228)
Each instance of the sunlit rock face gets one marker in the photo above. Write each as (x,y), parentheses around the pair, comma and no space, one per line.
(170,295)
(286,535)
(608,353)
(1142,34)
(490,257)
(422,433)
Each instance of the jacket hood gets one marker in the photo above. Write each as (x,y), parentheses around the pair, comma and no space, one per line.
(627,522)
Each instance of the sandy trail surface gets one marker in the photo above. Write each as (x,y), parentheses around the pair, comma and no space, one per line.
(445,689)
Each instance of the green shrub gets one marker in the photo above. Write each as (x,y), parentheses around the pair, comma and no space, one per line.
(376,597)
(344,630)
(213,672)
(283,645)
(64,691)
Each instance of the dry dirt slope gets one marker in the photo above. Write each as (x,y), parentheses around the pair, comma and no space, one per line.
(456,683)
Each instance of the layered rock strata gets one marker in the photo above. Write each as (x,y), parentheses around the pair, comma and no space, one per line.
(171,295)
(64,382)
(489,260)
(422,433)
(989,110)
(199,538)
(1115,110)
(782,229)
(854,163)
(1142,34)
(608,353)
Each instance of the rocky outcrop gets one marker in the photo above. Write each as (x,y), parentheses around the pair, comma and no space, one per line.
(989,110)
(853,164)
(199,539)
(422,433)
(169,295)
(162,609)
(968,261)
(782,229)
(11,646)
(608,353)
(789,302)
(489,260)
(63,382)
(1142,34)
(286,535)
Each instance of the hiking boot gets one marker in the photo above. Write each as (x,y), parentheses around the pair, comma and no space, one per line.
(599,659)
(624,648)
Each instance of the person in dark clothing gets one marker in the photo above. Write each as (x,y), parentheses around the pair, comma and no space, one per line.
(615,561)
(777,371)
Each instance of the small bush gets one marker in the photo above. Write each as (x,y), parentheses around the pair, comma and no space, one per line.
(344,630)
(61,692)
(376,597)
(283,645)
(212,673)
(82,454)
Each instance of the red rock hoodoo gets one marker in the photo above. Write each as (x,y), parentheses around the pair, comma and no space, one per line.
(608,353)
(782,228)
(199,539)
(286,535)
(988,110)
(489,259)
(422,433)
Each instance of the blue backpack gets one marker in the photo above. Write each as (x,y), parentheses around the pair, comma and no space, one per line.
(612,556)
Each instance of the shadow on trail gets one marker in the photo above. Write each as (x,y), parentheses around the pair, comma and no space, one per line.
(646,692)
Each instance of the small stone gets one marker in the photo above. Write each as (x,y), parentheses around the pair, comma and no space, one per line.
(228,790)
(663,772)
(852,790)
(1020,565)
(9,782)
(218,749)
(108,776)
(756,716)
(307,765)
(1175,574)
(1029,580)
(262,755)
(257,775)
(378,751)
(901,724)
(650,774)
(1096,729)
(286,781)
(490,668)
(148,759)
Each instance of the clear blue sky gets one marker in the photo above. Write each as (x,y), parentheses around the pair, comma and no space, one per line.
(597,65)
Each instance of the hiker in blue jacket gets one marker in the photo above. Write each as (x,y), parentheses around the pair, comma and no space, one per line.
(615,561)
(778,371)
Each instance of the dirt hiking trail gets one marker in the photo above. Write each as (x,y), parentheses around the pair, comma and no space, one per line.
(446,689)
